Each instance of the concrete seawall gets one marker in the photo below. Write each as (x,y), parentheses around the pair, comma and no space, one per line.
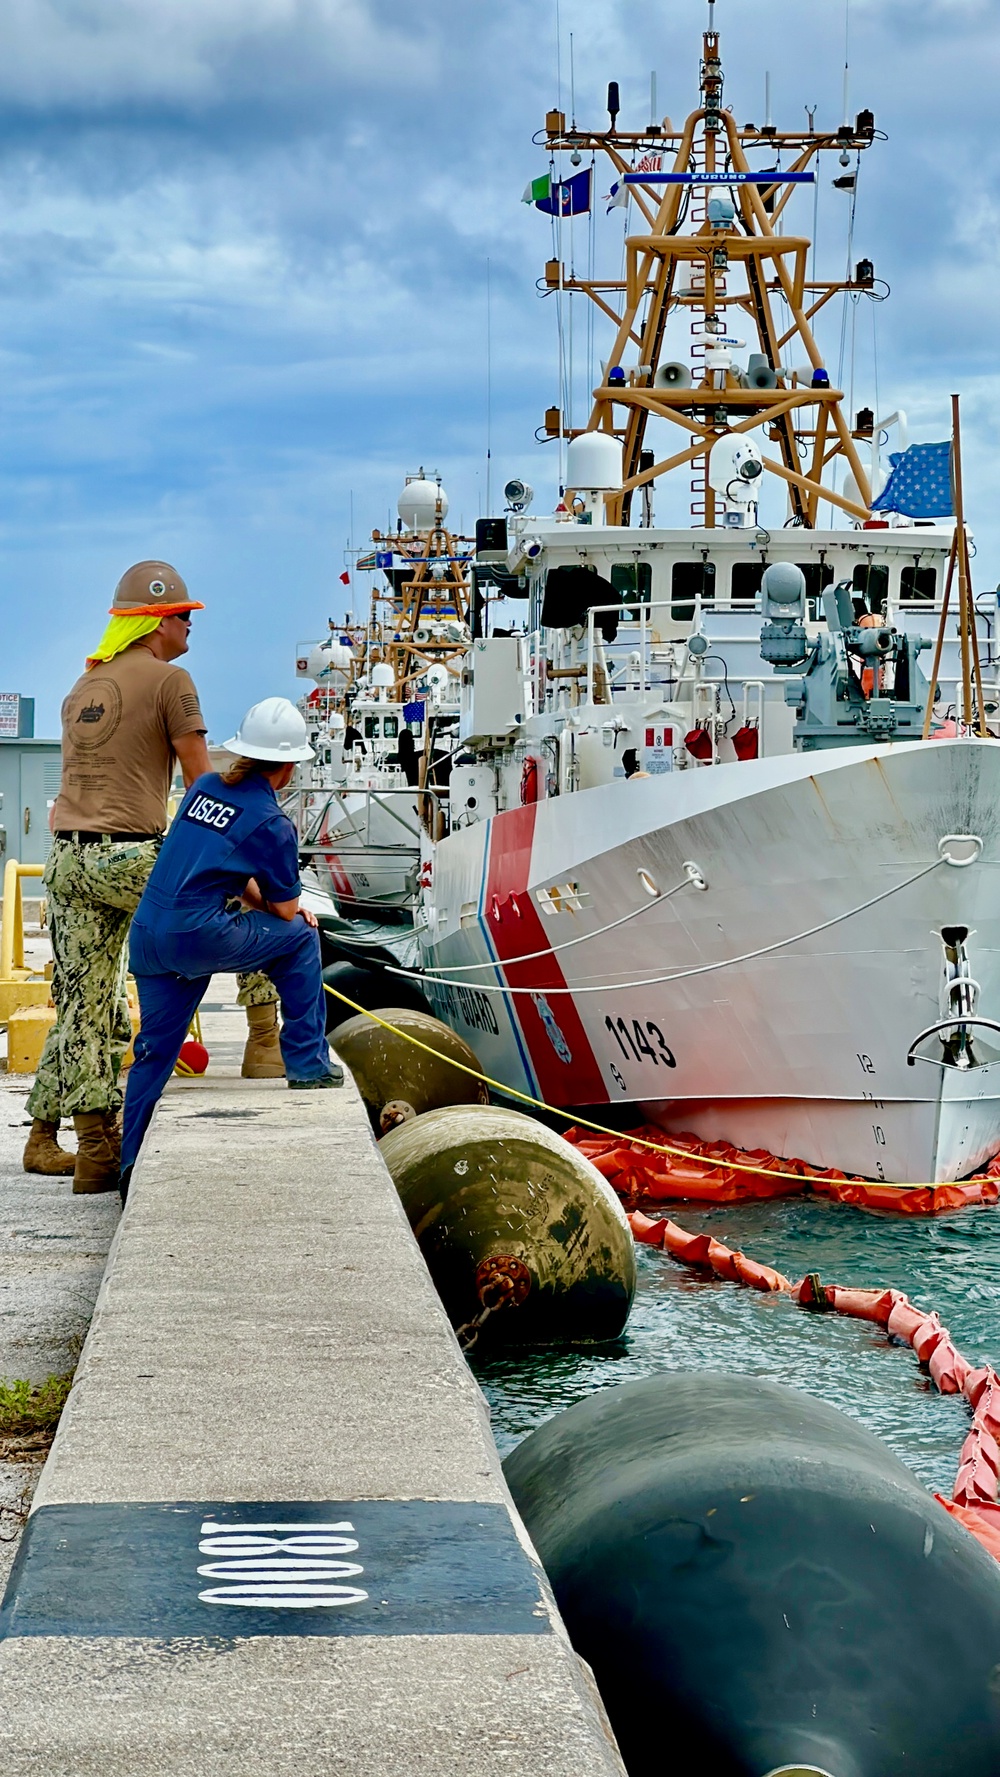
(272,1535)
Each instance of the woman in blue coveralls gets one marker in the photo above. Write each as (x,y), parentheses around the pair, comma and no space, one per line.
(229,838)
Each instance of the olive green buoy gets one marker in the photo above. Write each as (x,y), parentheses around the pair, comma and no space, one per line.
(395,1077)
(526,1242)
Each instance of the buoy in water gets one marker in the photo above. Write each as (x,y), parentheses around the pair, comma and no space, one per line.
(760,1586)
(525,1241)
(392,1073)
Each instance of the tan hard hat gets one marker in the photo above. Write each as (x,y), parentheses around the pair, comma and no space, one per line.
(150,589)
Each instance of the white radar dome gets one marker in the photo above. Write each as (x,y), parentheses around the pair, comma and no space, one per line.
(594,461)
(329,662)
(417,504)
(383,677)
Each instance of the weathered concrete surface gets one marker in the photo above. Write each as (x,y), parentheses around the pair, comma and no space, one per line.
(267,1330)
(53,1248)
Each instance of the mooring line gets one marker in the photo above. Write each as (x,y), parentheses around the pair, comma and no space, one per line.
(617,1135)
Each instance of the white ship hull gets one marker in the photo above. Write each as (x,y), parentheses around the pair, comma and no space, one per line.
(802,1051)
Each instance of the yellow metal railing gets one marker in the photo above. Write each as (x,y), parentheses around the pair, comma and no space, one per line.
(12,917)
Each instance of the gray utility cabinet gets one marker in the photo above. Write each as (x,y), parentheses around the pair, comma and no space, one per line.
(29,780)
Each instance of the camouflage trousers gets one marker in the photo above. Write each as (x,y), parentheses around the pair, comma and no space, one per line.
(93,891)
(256,990)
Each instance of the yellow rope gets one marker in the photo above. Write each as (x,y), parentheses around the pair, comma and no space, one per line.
(636,1141)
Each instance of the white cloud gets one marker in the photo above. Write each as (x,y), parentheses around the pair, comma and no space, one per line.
(121,53)
(243,246)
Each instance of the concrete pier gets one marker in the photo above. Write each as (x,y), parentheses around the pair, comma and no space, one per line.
(272,1535)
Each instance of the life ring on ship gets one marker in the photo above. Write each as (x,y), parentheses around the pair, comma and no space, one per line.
(529,780)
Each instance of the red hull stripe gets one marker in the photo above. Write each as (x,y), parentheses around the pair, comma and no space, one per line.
(338,876)
(564,1063)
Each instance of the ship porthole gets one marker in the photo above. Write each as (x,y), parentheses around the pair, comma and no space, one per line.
(648,884)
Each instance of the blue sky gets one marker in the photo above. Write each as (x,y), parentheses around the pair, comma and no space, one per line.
(243,266)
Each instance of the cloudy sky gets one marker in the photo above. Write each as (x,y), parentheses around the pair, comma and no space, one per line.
(243,275)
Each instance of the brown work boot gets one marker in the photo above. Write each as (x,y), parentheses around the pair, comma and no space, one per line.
(43,1154)
(97,1155)
(262,1055)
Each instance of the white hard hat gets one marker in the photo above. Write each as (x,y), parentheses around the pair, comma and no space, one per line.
(274,729)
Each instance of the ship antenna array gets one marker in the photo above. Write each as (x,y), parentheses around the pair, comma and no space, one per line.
(729,262)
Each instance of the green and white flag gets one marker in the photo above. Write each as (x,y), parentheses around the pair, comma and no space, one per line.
(537,190)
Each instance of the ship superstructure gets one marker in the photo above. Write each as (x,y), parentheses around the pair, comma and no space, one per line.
(383,714)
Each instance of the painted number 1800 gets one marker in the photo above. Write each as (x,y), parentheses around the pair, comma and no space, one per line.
(641,1042)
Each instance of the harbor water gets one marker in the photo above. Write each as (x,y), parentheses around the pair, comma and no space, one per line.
(685,1320)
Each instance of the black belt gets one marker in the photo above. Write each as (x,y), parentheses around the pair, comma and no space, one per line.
(98,838)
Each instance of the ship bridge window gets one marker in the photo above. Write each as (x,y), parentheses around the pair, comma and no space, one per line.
(817,575)
(870,588)
(918,583)
(371,727)
(390,727)
(744,584)
(687,580)
(633,582)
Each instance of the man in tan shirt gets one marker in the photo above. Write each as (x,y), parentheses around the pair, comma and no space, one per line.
(127,718)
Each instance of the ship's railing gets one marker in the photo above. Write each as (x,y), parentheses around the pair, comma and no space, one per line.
(310,842)
(643,639)
(640,634)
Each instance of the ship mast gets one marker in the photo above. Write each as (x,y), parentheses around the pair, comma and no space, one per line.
(667,270)
(430,592)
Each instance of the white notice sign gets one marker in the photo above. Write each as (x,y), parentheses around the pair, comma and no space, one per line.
(10,714)
(658,751)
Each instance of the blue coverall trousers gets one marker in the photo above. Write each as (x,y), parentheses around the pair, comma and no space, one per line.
(172,969)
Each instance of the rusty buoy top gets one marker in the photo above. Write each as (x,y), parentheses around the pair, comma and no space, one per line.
(396,1077)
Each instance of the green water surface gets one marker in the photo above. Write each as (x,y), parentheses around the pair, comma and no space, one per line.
(683,1320)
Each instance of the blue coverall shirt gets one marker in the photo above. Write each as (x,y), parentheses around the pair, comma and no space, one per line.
(219,838)
(182,935)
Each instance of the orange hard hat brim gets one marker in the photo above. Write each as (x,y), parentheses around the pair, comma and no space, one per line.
(156,610)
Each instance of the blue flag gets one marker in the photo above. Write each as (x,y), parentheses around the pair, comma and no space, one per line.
(570,198)
(920,483)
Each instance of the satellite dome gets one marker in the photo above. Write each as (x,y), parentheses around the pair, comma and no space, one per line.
(417,504)
(329,662)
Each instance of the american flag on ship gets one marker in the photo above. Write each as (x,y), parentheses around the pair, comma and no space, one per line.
(617,197)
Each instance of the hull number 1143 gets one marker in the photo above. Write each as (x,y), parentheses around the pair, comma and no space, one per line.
(639,1042)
